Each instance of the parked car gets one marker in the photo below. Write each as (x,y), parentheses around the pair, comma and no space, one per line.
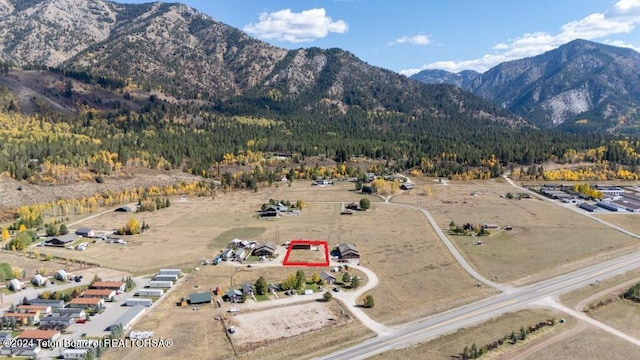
(231,330)
(233,310)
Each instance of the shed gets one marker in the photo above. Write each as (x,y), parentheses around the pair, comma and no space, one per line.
(406,186)
(200,298)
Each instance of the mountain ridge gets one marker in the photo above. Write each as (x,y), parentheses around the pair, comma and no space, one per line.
(579,83)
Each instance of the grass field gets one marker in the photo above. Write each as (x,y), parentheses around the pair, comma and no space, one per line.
(590,344)
(627,221)
(418,276)
(621,314)
(451,346)
(546,239)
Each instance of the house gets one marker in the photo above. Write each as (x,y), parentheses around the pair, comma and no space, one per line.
(55,304)
(268,249)
(75,354)
(406,186)
(21,351)
(270,211)
(15,285)
(61,240)
(87,303)
(86,232)
(200,298)
(51,321)
(123,209)
(129,318)
(25,319)
(61,275)
(74,313)
(348,251)
(49,336)
(110,285)
(233,295)
(247,289)
(42,309)
(106,294)
(327,277)
(353,206)
(490,226)
(38,280)
(139,302)
(273,288)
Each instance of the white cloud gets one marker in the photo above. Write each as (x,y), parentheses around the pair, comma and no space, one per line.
(414,40)
(622,18)
(304,26)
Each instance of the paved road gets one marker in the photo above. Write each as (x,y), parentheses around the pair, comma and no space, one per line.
(512,299)
(486,309)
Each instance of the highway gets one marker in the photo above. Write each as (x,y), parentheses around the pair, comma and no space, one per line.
(511,299)
(486,309)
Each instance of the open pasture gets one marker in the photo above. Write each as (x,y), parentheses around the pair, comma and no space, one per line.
(546,239)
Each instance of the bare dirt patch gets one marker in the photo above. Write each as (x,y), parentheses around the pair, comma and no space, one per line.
(290,322)
(546,239)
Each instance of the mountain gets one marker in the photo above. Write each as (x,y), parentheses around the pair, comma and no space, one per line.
(164,85)
(580,86)
(177,51)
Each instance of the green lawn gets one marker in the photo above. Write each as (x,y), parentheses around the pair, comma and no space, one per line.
(5,271)
(223,239)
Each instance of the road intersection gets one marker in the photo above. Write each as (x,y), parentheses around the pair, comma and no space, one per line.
(543,293)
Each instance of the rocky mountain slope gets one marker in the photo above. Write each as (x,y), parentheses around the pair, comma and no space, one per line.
(581,86)
(176,51)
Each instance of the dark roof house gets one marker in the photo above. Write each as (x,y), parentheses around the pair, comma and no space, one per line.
(85,232)
(348,251)
(247,289)
(327,277)
(61,240)
(353,206)
(266,249)
(123,209)
(270,211)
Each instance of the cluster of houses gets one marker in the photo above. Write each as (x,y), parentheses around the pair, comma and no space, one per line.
(67,239)
(51,316)
(161,282)
(615,198)
(239,250)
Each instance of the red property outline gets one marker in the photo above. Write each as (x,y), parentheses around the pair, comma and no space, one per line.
(286,261)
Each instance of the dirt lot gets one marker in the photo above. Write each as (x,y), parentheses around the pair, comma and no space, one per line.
(546,239)
(451,346)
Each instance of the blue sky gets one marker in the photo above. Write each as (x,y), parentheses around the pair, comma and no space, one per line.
(410,35)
